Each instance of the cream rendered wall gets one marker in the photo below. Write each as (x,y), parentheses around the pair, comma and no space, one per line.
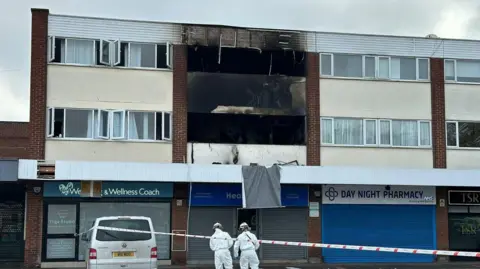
(384,157)
(374,99)
(108,88)
(204,153)
(462,102)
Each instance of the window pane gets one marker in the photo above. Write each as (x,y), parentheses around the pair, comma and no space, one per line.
(425,134)
(469,134)
(61,248)
(347,65)
(118,124)
(102,124)
(370,132)
(326,64)
(326,129)
(383,67)
(79,123)
(62,219)
(80,51)
(463,231)
(369,67)
(159,126)
(348,131)
(404,68)
(468,71)
(405,133)
(166,125)
(108,236)
(451,134)
(422,69)
(142,55)
(449,70)
(141,125)
(385,132)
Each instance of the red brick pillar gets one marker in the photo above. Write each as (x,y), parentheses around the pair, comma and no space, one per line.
(437,86)
(38,83)
(36,133)
(34,227)
(312,95)
(179,117)
(179,223)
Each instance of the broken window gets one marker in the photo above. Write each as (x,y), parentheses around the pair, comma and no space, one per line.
(246,61)
(246,129)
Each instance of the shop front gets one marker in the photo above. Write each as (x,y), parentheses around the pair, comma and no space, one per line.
(464,222)
(210,203)
(383,216)
(12,213)
(67,213)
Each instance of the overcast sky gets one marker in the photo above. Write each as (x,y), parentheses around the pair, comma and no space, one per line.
(445,18)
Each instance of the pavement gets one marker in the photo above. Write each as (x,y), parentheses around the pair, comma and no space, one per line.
(442,265)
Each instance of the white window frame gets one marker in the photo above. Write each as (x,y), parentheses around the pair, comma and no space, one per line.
(122,122)
(116,50)
(142,67)
(365,132)
(169,54)
(64,131)
(374,67)
(84,39)
(379,133)
(454,69)
(332,129)
(389,67)
(419,123)
(332,73)
(418,69)
(51,48)
(457,136)
(163,125)
(99,117)
(51,121)
(109,49)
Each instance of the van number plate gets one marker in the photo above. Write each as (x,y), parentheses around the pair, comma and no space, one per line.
(124,254)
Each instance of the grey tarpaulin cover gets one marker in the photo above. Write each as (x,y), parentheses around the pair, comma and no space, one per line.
(261,187)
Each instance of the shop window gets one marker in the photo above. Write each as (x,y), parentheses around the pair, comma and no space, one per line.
(60,231)
(464,233)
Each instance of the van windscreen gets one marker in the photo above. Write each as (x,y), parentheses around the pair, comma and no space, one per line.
(134,224)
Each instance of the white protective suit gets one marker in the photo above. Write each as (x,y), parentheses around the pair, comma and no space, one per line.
(221,247)
(247,243)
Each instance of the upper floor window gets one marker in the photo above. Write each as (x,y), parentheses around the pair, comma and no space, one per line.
(463,134)
(108,124)
(462,71)
(375,132)
(374,67)
(109,53)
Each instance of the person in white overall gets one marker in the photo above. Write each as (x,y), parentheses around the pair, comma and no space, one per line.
(220,244)
(247,243)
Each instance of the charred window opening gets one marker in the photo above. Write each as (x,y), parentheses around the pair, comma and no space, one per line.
(246,129)
(246,61)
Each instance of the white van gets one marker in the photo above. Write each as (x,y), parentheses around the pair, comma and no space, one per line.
(114,249)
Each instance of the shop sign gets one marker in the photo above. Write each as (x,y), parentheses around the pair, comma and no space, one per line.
(463,197)
(231,195)
(376,194)
(111,189)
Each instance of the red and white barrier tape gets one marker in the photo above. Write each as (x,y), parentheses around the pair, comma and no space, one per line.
(315,245)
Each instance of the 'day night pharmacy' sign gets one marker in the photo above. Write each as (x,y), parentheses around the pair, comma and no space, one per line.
(376,194)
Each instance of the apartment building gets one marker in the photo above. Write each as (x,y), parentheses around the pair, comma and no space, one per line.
(132,117)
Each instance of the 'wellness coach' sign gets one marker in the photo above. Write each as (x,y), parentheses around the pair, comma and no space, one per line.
(375,194)
(111,189)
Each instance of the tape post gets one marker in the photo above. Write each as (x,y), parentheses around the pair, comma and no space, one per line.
(306,244)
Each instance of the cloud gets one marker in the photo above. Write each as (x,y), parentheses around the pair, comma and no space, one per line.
(446,18)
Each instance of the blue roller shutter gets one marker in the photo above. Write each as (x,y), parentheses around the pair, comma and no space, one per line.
(402,226)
